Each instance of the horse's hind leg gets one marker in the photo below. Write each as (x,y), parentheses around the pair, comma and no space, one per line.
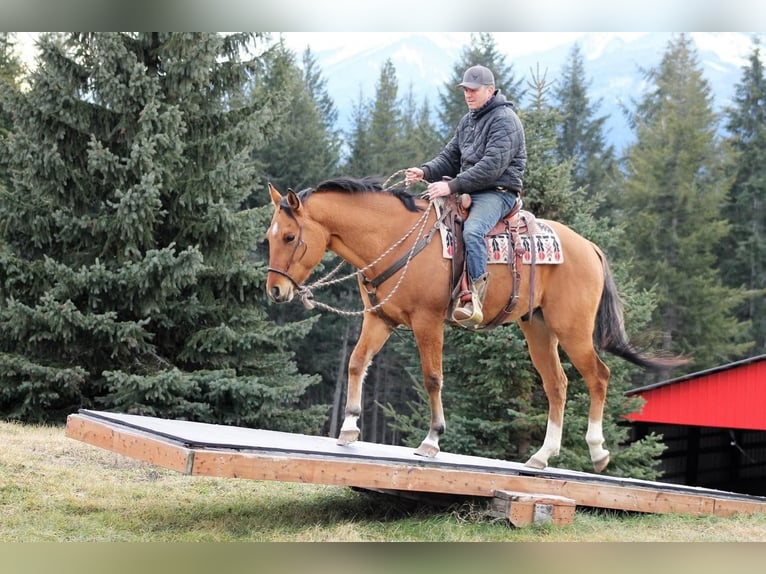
(543,350)
(374,335)
(583,356)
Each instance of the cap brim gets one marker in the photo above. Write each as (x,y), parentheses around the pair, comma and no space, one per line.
(470,85)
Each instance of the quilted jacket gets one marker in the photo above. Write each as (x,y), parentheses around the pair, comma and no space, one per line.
(487,151)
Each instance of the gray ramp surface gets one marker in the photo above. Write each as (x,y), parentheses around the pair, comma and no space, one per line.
(197,435)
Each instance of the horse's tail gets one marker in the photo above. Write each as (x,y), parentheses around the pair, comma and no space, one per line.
(610,334)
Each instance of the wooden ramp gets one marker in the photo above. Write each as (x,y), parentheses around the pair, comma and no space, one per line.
(522,494)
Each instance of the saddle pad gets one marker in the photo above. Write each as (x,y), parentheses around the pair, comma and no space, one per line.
(546,243)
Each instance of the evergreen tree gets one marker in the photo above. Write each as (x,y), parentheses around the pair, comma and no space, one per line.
(672,205)
(358,161)
(305,151)
(581,132)
(126,283)
(378,141)
(548,186)
(743,254)
(420,138)
(385,125)
(10,72)
(10,65)
(316,86)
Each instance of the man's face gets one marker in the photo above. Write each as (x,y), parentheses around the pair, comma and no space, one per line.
(478,97)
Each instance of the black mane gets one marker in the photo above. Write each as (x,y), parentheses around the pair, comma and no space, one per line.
(364,185)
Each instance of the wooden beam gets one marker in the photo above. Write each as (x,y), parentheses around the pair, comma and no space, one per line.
(398,476)
(130,443)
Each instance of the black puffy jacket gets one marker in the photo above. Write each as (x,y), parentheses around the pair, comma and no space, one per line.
(487,151)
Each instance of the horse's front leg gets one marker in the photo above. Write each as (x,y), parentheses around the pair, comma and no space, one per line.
(430,341)
(375,333)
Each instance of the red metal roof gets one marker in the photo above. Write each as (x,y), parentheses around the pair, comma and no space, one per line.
(729,396)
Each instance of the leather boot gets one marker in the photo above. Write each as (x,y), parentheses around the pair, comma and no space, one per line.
(470,314)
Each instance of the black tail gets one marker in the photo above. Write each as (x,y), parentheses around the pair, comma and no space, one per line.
(610,334)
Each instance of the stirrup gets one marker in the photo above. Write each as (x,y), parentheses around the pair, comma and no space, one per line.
(471,321)
(478,291)
(465,312)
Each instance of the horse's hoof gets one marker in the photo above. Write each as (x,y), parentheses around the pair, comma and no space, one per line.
(535,463)
(347,437)
(426,449)
(600,465)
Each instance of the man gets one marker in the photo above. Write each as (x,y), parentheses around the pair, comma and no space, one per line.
(486,159)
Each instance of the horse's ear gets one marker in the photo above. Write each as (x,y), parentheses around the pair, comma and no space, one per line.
(275,196)
(293,200)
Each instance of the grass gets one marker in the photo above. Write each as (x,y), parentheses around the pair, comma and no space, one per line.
(56,489)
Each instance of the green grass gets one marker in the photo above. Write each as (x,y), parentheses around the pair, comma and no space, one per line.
(53,488)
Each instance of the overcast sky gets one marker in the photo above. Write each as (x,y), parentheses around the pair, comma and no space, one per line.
(733,47)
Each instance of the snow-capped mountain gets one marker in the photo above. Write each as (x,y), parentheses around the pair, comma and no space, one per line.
(615,65)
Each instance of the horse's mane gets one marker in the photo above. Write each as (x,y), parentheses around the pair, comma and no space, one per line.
(363,185)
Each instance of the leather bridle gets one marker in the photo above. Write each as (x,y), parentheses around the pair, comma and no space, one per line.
(298,244)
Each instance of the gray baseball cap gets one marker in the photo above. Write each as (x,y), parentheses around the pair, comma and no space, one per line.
(477,76)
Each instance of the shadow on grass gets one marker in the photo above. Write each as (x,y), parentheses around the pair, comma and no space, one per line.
(286,516)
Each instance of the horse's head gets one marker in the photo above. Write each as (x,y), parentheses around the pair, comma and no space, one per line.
(296,245)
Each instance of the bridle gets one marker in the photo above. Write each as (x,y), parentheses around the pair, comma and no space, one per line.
(306,291)
(298,244)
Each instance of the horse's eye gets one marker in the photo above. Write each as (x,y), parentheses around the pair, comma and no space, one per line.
(289,238)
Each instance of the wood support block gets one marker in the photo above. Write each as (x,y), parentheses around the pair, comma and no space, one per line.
(523,509)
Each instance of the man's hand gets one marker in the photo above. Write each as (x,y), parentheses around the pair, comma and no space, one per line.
(412,175)
(437,189)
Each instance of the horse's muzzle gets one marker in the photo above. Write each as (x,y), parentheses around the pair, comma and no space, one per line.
(280,285)
(281,294)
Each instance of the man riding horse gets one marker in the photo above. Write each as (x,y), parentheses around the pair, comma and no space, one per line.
(486,159)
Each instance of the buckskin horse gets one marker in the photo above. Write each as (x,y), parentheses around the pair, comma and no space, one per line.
(405,280)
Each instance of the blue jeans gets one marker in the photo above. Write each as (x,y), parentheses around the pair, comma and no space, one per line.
(487,207)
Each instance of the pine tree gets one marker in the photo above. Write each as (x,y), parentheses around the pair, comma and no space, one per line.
(548,186)
(316,86)
(358,161)
(581,132)
(10,72)
(126,284)
(672,205)
(305,151)
(743,253)
(420,138)
(379,143)
(10,65)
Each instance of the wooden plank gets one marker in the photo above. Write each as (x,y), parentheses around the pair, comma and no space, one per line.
(397,476)
(132,444)
(406,474)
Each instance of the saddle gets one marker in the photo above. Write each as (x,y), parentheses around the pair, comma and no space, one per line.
(514,223)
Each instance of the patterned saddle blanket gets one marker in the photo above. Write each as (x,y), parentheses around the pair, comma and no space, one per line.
(545,241)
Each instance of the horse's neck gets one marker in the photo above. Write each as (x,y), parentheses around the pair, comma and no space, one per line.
(362,227)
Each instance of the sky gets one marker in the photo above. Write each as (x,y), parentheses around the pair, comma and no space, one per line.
(730,47)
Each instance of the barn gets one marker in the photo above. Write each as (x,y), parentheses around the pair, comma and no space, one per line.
(713,423)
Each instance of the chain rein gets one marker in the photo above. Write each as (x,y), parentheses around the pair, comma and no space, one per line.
(305,291)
